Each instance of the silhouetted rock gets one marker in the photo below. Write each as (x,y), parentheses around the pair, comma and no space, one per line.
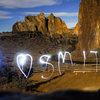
(59,95)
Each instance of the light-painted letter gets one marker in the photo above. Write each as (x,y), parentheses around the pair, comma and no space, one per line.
(42,61)
(84,57)
(95,52)
(63,55)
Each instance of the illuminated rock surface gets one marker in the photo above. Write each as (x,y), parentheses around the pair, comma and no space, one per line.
(89,25)
(76,29)
(40,23)
(56,25)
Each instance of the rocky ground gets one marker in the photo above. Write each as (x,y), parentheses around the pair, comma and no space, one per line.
(34,43)
(37,44)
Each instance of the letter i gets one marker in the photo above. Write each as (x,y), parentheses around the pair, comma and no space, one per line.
(84,57)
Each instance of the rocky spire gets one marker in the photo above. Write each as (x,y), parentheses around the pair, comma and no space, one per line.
(40,23)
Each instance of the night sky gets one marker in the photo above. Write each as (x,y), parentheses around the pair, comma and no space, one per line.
(12,11)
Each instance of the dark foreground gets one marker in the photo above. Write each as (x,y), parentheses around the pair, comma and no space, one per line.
(60,95)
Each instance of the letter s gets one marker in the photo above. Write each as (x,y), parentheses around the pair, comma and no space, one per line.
(43,61)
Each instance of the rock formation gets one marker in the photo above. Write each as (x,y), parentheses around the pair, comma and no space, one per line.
(56,25)
(20,26)
(89,25)
(40,23)
(31,23)
(76,29)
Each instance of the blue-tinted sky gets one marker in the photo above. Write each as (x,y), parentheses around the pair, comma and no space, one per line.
(12,11)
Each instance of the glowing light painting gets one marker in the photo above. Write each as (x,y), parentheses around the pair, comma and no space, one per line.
(84,57)
(96,52)
(60,54)
(21,60)
(44,60)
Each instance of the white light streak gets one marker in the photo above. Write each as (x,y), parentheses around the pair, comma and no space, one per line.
(84,57)
(60,54)
(42,61)
(21,58)
(95,52)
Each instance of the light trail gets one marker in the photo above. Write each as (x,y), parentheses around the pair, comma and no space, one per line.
(21,59)
(42,61)
(60,54)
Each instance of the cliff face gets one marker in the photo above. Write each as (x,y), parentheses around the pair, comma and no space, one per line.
(76,29)
(51,24)
(89,24)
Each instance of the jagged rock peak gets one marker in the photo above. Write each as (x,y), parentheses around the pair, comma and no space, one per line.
(51,15)
(49,25)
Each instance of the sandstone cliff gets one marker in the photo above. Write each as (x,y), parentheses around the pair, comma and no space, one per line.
(76,29)
(56,25)
(89,25)
(40,23)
